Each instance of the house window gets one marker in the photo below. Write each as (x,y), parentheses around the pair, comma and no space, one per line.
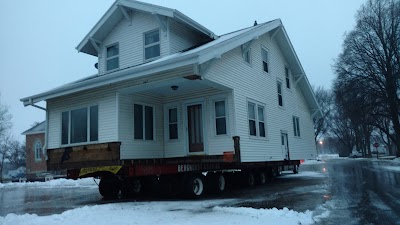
(264,54)
(173,123)
(220,117)
(280,97)
(112,57)
(287,78)
(246,54)
(256,117)
(37,149)
(151,44)
(296,126)
(143,122)
(79,125)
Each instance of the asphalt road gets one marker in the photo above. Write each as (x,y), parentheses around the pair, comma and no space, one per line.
(353,191)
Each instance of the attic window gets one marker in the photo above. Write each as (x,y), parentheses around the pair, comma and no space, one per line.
(264,54)
(112,57)
(152,44)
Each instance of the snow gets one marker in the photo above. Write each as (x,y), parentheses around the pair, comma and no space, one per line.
(391,168)
(169,212)
(312,162)
(85,182)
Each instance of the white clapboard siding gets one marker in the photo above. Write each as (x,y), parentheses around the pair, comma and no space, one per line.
(251,82)
(181,37)
(106,100)
(130,38)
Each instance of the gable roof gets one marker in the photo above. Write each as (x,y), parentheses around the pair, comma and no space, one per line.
(114,14)
(36,129)
(199,55)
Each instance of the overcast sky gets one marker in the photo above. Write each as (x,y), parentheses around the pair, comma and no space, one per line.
(38,39)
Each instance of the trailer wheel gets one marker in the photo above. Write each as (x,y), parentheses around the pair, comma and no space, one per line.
(296,169)
(131,188)
(216,182)
(250,180)
(195,185)
(262,178)
(109,187)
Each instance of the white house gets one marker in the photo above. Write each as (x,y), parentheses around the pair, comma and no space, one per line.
(167,87)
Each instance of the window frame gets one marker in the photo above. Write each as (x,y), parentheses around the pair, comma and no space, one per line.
(280,94)
(287,78)
(296,126)
(263,49)
(151,45)
(257,105)
(144,122)
(246,55)
(36,151)
(88,123)
(112,57)
(167,123)
(214,101)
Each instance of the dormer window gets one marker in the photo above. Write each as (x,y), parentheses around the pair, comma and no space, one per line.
(152,44)
(112,57)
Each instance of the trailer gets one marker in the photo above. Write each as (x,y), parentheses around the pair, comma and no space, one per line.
(191,176)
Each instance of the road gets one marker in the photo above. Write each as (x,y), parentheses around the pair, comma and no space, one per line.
(343,191)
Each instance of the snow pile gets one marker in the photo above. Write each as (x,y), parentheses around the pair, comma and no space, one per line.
(85,182)
(174,213)
(20,172)
(392,168)
(312,162)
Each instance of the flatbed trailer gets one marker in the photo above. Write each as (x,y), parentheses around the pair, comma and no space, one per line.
(192,176)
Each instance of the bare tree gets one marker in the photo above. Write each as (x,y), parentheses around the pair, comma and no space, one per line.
(368,69)
(5,126)
(325,101)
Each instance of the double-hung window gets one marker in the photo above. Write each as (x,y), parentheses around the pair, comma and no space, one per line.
(296,126)
(173,123)
(112,57)
(246,53)
(256,116)
(152,44)
(37,149)
(264,55)
(79,125)
(280,96)
(220,117)
(143,122)
(287,77)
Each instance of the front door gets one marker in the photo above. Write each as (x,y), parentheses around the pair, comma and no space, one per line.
(195,128)
(285,146)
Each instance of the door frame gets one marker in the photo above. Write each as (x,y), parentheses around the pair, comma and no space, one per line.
(285,133)
(199,101)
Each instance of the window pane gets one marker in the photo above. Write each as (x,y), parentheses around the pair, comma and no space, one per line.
(173,131)
(148,122)
(265,66)
(252,127)
(251,111)
(220,125)
(260,113)
(64,128)
(151,37)
(138,120)
(279,86)
(280,100)
(294,126)
(173,115)
(262,129)
(112,51)
(287,78)
(264,55)
(247,56)
(79,124)
(113,63)
(298,126)
(220,108)
(151,52)
(94,123)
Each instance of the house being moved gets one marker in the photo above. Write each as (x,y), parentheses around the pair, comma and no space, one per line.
(171,96)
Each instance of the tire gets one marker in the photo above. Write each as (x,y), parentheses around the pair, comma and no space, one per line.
(296,169)
(250,179)
(216,182)
(109,187)
(262,178)
(131,188)
(195,186)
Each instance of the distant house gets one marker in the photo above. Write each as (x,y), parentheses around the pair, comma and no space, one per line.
(35,157)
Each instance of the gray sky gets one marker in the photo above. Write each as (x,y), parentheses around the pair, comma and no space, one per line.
(38,39)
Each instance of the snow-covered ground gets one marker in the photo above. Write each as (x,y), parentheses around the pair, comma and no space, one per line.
(158,212)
